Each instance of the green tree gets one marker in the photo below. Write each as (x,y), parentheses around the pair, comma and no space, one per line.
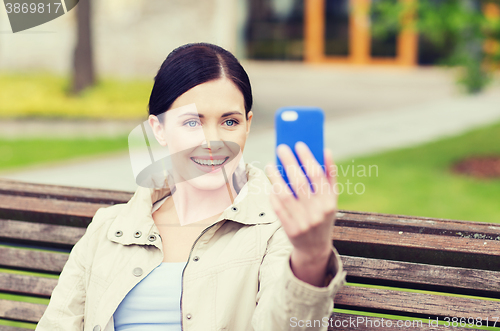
(462,24)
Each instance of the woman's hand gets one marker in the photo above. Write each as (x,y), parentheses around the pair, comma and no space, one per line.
(308,219)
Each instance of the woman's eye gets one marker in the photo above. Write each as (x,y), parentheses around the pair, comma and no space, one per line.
(231,122)
(191,124)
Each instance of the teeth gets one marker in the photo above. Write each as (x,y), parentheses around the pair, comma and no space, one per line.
(209,162)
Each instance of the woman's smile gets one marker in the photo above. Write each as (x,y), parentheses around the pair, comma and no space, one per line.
(209,163)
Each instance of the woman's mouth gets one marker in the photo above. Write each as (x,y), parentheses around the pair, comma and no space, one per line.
(211,162)
(209,165)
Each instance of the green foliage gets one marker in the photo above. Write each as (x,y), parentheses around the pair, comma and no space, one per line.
(459,23)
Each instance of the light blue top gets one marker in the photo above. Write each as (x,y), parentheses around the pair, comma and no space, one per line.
(154,303)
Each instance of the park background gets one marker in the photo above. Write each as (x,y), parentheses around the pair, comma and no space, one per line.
(409,87)
(73,88)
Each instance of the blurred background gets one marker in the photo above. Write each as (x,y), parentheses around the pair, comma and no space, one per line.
(410,89)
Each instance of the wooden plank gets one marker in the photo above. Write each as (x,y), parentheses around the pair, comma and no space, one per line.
(27,285)
(47,210)
(10,187)
(349,322)
(422,225)
(413,304)
(39,232)
(412,247)
(414,240)
(21,311)
(423,276)
(13,328)
(32,260)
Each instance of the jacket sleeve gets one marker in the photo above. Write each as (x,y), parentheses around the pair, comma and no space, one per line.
(285,302)
(66,308)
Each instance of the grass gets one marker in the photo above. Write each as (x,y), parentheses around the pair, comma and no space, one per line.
(24,152)
(418,181)
(46,95)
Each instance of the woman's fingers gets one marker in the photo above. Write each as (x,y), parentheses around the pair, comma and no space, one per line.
(331,169)
(295,217)
(331,176)
(296,177)
(312,167)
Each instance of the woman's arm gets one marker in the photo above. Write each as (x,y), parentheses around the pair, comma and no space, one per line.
(285,302)
(308,216)
(67,303)
(302,297)
(66,308)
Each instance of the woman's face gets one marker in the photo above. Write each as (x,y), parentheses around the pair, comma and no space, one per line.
(205,129)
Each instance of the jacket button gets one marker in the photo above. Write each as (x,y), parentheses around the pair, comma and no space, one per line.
(234,209)
(119,233)
(262,214)
(137,234)
(196,258)
(188,316)
(137,272)
(97,328)
(152,237)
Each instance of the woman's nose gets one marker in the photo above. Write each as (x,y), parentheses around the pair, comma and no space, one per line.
(212,139)
(213,145)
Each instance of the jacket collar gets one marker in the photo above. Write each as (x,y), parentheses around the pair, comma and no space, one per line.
(135,225)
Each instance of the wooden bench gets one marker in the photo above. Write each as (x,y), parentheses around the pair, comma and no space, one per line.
(411,267)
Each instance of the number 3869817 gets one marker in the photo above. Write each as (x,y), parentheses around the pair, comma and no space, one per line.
(32,8)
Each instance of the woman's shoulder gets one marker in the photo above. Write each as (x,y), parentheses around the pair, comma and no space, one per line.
(103,218)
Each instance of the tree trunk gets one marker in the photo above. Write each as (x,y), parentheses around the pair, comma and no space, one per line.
(83,64)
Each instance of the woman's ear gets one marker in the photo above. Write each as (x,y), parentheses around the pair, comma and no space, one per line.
(157,128)
(249,121)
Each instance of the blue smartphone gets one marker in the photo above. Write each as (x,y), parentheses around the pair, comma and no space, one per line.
(304,124)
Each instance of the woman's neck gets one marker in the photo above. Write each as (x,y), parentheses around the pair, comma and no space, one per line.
(200,207)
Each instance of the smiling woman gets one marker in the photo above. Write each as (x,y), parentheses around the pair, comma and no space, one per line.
(212,248)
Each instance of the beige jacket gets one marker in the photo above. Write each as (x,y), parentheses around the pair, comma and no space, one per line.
(237,278)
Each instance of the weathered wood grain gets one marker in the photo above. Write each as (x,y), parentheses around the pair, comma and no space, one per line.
(47,210)
(13,328)
(32,259)
(424,225)
(411,303)
(21,311)
(44,191)
(410,275)
(27,285)
(419,248)
(38,232)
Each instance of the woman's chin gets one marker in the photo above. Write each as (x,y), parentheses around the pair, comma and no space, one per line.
(209,183)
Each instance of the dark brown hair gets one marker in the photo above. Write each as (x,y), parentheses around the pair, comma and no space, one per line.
(193,64)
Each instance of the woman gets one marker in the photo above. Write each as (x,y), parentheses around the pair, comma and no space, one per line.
(202,252)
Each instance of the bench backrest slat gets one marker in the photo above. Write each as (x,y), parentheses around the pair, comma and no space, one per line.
(50,211)
(21,311)
(27,285)
(39,233)
(33,260)
(414,304)
(419,248)
(423,276)
(423,225)
(15,188)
